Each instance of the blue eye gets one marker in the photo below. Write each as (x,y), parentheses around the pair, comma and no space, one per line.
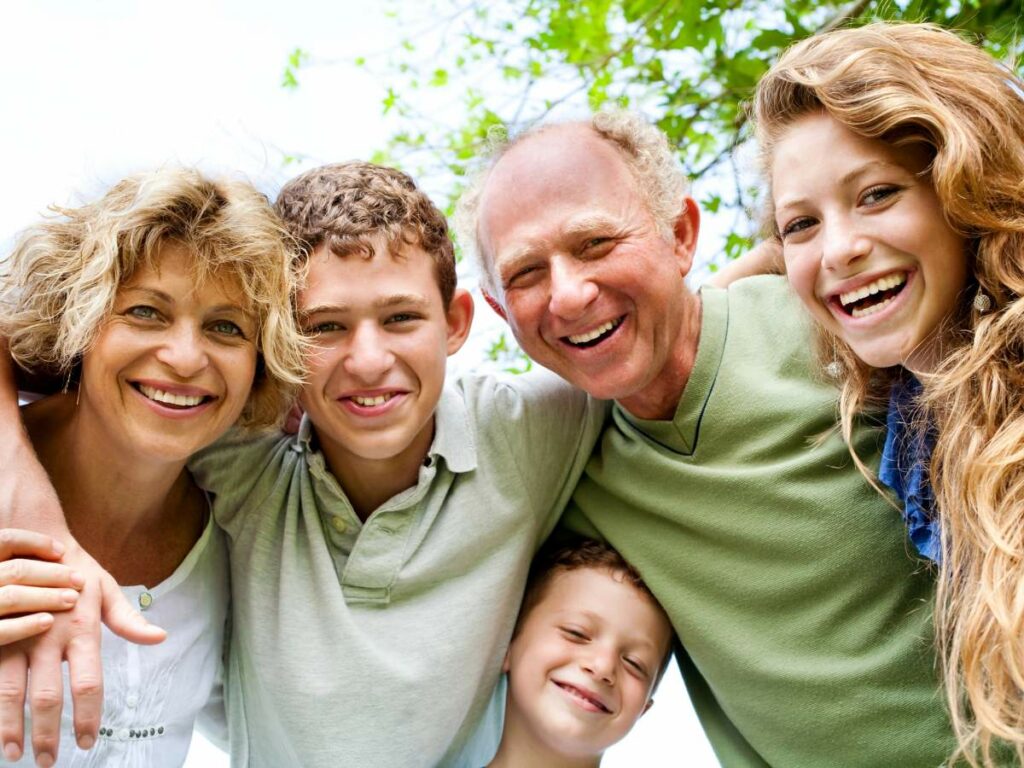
(227,328)
(320,328)
(142,312)
(879,194)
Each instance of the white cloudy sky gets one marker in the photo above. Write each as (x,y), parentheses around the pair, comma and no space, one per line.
(94,89)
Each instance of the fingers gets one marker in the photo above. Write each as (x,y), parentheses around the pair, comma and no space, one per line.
(13,630)
(45,699)
(86,676)
(13,668)
(16,541)
(123,620)
(40,574)
(16,599)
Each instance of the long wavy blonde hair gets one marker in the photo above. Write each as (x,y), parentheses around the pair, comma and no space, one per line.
(59,284)
(920,84)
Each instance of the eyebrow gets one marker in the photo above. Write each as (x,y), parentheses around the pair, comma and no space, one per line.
(846,178)
(168,299)
(385,302)
(574,228)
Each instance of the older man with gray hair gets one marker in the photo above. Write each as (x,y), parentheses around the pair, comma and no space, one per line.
(806,623)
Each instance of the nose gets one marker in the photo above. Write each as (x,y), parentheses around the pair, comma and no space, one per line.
(843,244)
(572,287)
(600,663)
(367,357)
(183,350)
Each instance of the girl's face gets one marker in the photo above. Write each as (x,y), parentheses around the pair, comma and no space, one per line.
(866,244)
(173,365)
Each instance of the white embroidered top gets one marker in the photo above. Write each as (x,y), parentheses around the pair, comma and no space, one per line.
(153,694)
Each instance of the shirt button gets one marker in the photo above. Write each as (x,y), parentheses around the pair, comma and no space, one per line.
(132,701)
(123,733)
(145,600)
(338,523)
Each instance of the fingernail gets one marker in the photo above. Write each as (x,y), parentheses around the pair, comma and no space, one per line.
(85,741)
(12,752)
(77,579)
(58,548)
(44,760)
(68,595)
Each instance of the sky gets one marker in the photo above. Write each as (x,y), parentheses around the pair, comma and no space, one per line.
(95,90)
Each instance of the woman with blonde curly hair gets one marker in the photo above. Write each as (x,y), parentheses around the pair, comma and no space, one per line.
(895,154)
(165,306)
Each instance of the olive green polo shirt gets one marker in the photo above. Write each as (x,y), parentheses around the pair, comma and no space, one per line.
(805,614)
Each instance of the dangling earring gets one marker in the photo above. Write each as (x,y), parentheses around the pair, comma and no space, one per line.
(982,302)
(834,369)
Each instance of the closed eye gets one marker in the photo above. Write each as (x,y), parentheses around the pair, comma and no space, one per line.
(574,634)
(636,666)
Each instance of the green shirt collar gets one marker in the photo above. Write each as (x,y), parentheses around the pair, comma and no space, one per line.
(681,433)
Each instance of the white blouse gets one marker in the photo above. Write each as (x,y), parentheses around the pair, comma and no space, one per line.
(153,694)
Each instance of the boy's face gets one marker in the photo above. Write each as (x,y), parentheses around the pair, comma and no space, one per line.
(583,665)
(380,339)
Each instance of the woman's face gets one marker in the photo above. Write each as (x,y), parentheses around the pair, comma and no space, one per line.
(866,244)
(173,365)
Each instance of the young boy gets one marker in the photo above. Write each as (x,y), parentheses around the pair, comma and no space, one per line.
(378,557)
(589,648)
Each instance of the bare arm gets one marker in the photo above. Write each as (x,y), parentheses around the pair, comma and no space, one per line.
(764,259)
(28,500)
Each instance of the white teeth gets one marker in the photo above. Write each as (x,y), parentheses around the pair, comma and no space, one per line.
(865,311)
(170,399)
(591,335)
(368,402)
(881,284)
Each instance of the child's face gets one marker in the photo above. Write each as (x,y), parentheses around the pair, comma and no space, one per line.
(381,337)
(583,664)
(866,243)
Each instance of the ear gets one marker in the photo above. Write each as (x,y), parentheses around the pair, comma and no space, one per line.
(460,319)
(493,304)
(685,230)
(647,706)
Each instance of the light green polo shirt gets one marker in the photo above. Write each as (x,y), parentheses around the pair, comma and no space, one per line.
(380,644)
(791,582)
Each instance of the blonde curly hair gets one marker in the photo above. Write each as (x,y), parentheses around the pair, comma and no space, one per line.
(919,84)
(644,149)
(59,284)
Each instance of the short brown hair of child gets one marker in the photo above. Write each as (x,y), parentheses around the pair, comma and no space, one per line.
(563,556)
(351,205)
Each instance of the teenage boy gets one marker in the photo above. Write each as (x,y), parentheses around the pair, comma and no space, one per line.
(588,651)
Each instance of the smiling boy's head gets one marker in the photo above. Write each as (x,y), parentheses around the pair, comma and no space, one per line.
(588,650)
(379,304)
(351,208)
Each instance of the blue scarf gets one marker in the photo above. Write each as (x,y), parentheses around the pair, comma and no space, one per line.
(906,457)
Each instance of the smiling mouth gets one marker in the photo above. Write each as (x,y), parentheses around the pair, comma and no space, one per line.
(171,400)
(873,297)
(596,336)
(583,696)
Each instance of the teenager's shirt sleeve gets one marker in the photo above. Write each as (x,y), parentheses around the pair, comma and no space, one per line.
(542,428)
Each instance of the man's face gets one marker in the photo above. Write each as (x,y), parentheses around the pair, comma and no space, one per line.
(380,338)
(592,289)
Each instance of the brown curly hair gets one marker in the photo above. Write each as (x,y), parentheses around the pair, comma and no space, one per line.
(349,205)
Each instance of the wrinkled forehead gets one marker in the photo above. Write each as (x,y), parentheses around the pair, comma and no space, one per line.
(550,181)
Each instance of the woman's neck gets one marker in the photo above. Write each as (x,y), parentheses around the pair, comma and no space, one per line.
(115,501)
